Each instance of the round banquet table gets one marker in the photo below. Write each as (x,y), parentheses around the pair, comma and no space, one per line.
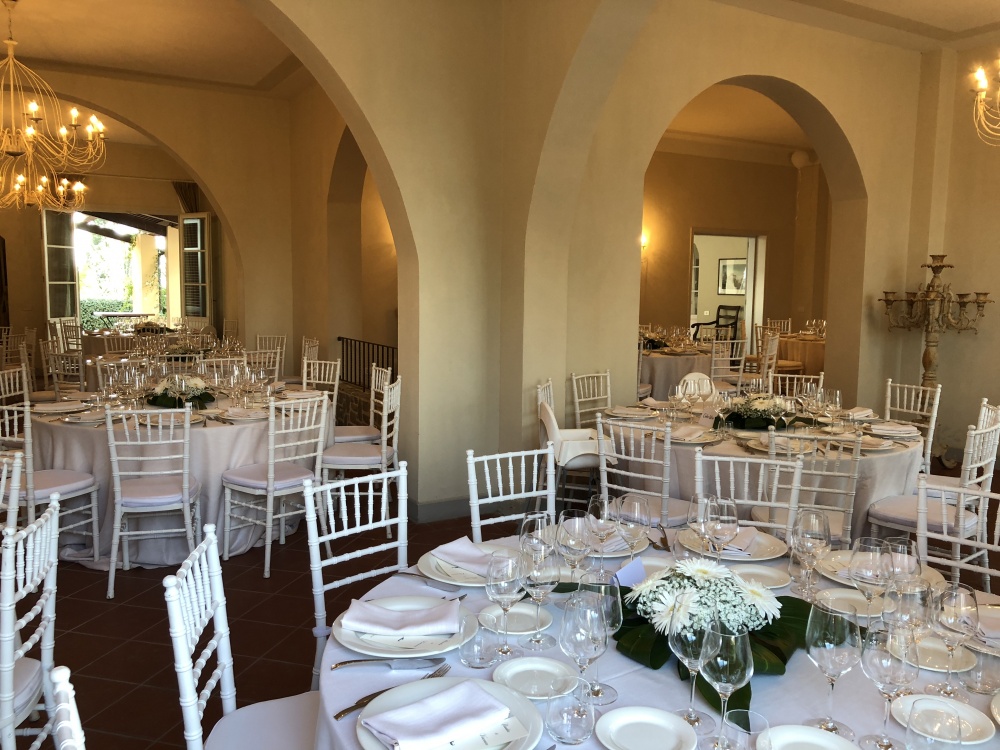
(664,371)
(215,448)
(800,694)
(810,352)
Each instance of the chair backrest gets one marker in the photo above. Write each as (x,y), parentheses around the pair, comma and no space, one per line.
(276,342)
(45,350)
(380,379)
(218,370)
(769,356)
(310,348)
(26,361)
(645,328)
(352,507)
(12,343)
(981,443)
(171,364)
(830,469)
(323,375)
(265,359)
(11,466)
(67,371)
(389,422)
(591,394)
(543,394)
(67,731)
(296,433)
(195,598)
(782,325)
(916,405)
(767,484)
(12,385)
(117,344)
(151,443)
(793,385)
(230,328)
(728,358)
(27,608)
(635,459)
(194,322)
(72,335)
(15,434)
(502,477)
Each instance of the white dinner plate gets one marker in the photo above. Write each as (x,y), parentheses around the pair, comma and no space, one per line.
(834,562)
(643,728)
(709,436)
(410,646)
(976,726)
(520,708)
(88,417)
(772,578)
(60,407)
(179,422)
(933,656)
(521,618)
(532,676)
(439,570)
(995,707)
(637,413)
(892,435)
(765,547)
(796,737)
(617,552)
(800,446)
(840,599)
(256,415)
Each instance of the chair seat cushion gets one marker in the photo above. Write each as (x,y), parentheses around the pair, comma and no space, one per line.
(677,512)
(153,491)
(288,723)
(356,434)
(27,685)
(723,386)
(833,517)
(66,483)
(255,476)
(645,389)
(901,510)
(356,454)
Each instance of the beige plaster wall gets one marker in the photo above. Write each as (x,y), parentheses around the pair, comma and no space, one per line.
(378,269)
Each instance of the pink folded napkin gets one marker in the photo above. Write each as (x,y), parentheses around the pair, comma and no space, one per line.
(369,617)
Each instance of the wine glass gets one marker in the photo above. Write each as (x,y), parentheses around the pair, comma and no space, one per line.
(869,569)
(729,667)
(698,517)
(539,577)
(832,404)
(632,520)
(889,659)
(601,518)
(609,598)
(723,405)
(573,541)
(833,643)
(691,645)
(503,587)
(534,534)
(954,619)
(905,604)
(583,635)
(903,557)
(810,542)
(933,725)
(723,523)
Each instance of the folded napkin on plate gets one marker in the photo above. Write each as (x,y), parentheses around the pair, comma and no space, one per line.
(464,554)
(989,614)
(652,403)
(303,394)
(237,412)
(369,617)
(440,720)
(58,406)
(872,443)
(687,432)
(630,411)
(790,444)
(859,412)
(614,544)
(894,428)
(742,542)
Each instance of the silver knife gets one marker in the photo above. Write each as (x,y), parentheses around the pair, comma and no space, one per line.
(393,663)
(434,584)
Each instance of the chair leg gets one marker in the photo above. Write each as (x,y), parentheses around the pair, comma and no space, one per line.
(95,525)
(227,521)
(125,550)
(115,541)
(268,526)
(281,520)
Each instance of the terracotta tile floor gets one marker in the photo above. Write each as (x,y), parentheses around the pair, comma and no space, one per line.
(120,654)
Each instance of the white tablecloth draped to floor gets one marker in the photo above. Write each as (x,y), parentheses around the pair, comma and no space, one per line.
(664,371)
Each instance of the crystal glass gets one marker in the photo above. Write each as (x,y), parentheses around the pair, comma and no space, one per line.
(745,730)
(833,643)
(810,542)
(569,711)
(691,647)
(602,523)
(583,635)
(727,668)
(954,618)
(632,520)
(573,541)
(723,523)
(832,403)
(539,576)
(698,517)
(536,535)
(889,659)
(903,557)
(609,597)
(905,604)
(933,725)
(503,587)
(870,569)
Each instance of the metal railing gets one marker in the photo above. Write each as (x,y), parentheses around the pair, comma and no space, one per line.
(356,359)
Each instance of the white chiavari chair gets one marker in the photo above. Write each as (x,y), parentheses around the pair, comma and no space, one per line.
(769,356)
(68,372)
(510,478)
(351,507)
(273,342)
(12,344)
(380,378)
(265,359)
(728,357)
(781,325)
(220,370)
(380,456)
(195,600)
(194,323)
(118,346)
(963,539)
(793,386)
(543,394)
(916,405)
(45,349)
(67,731)
(72,335)
(591,394)
(11,465)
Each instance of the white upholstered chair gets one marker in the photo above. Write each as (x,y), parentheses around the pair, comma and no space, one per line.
(574,449)
(151,475)
(916,405)
(380,379)
(351,507)
(296,433)
(591,394)
(364,456)
(196,600)
(518,477)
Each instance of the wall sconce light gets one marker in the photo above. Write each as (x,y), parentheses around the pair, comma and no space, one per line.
(644,241)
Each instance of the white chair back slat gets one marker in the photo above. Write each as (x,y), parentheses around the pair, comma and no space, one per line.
(769,356)
(265,359)
(916,405)
(381,377)
(728,359)
(503,477)
(782,325)
(323,375)
(268,342)
(591,394)
(793,386)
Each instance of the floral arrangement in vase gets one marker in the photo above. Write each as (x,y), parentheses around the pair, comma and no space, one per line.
(175,390)
(757,412)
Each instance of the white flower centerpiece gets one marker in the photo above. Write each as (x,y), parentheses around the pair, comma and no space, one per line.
(174,390)
(757,412)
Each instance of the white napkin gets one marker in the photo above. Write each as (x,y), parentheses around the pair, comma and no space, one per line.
(652,403)
(369,617)
(789,444)
(630,411)
(989,614)
(742,542)
(440,720)
(303,394)
(874,443)
(894,428)
(859,412)
(238,412)
(613,544)
(466,555)
(687,432)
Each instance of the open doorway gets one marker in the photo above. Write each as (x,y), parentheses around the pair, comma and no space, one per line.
(727,270)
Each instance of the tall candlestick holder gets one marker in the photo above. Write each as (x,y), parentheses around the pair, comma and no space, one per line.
(935,308)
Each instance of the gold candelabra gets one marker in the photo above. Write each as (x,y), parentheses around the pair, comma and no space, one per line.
(935,308)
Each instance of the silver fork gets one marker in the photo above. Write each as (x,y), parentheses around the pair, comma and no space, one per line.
(439,672)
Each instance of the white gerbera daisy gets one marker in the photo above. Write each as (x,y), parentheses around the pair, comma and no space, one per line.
(762,598)
(701,568)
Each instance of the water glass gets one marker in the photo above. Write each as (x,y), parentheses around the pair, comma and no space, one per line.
(954,619)
(729,666)
(933,725)
(692,646)
(503,587)
(984,678)
(632,520)
(482,649)
(569,711)
(742,730)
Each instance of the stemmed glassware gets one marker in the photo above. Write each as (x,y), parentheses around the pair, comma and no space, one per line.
(954,619)
(699,518)
(889,659)
(573,541)
(723,523)
(906,604)
(832,405)
(933,725)
(724,406)
(692,645)
(609,599)
(535,535)
(903,557)
(870,568)
(602,524)
(727,668)
(539,577)
(632,520)
(503,587)
(810,542)
(833,643)
(583,635)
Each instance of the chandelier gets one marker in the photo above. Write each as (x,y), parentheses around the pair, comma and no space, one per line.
(41,160)
(986,112)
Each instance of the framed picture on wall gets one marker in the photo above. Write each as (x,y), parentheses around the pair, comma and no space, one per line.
(733,276)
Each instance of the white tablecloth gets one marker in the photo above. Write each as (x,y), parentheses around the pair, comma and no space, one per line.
(664,371)
(799,694)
